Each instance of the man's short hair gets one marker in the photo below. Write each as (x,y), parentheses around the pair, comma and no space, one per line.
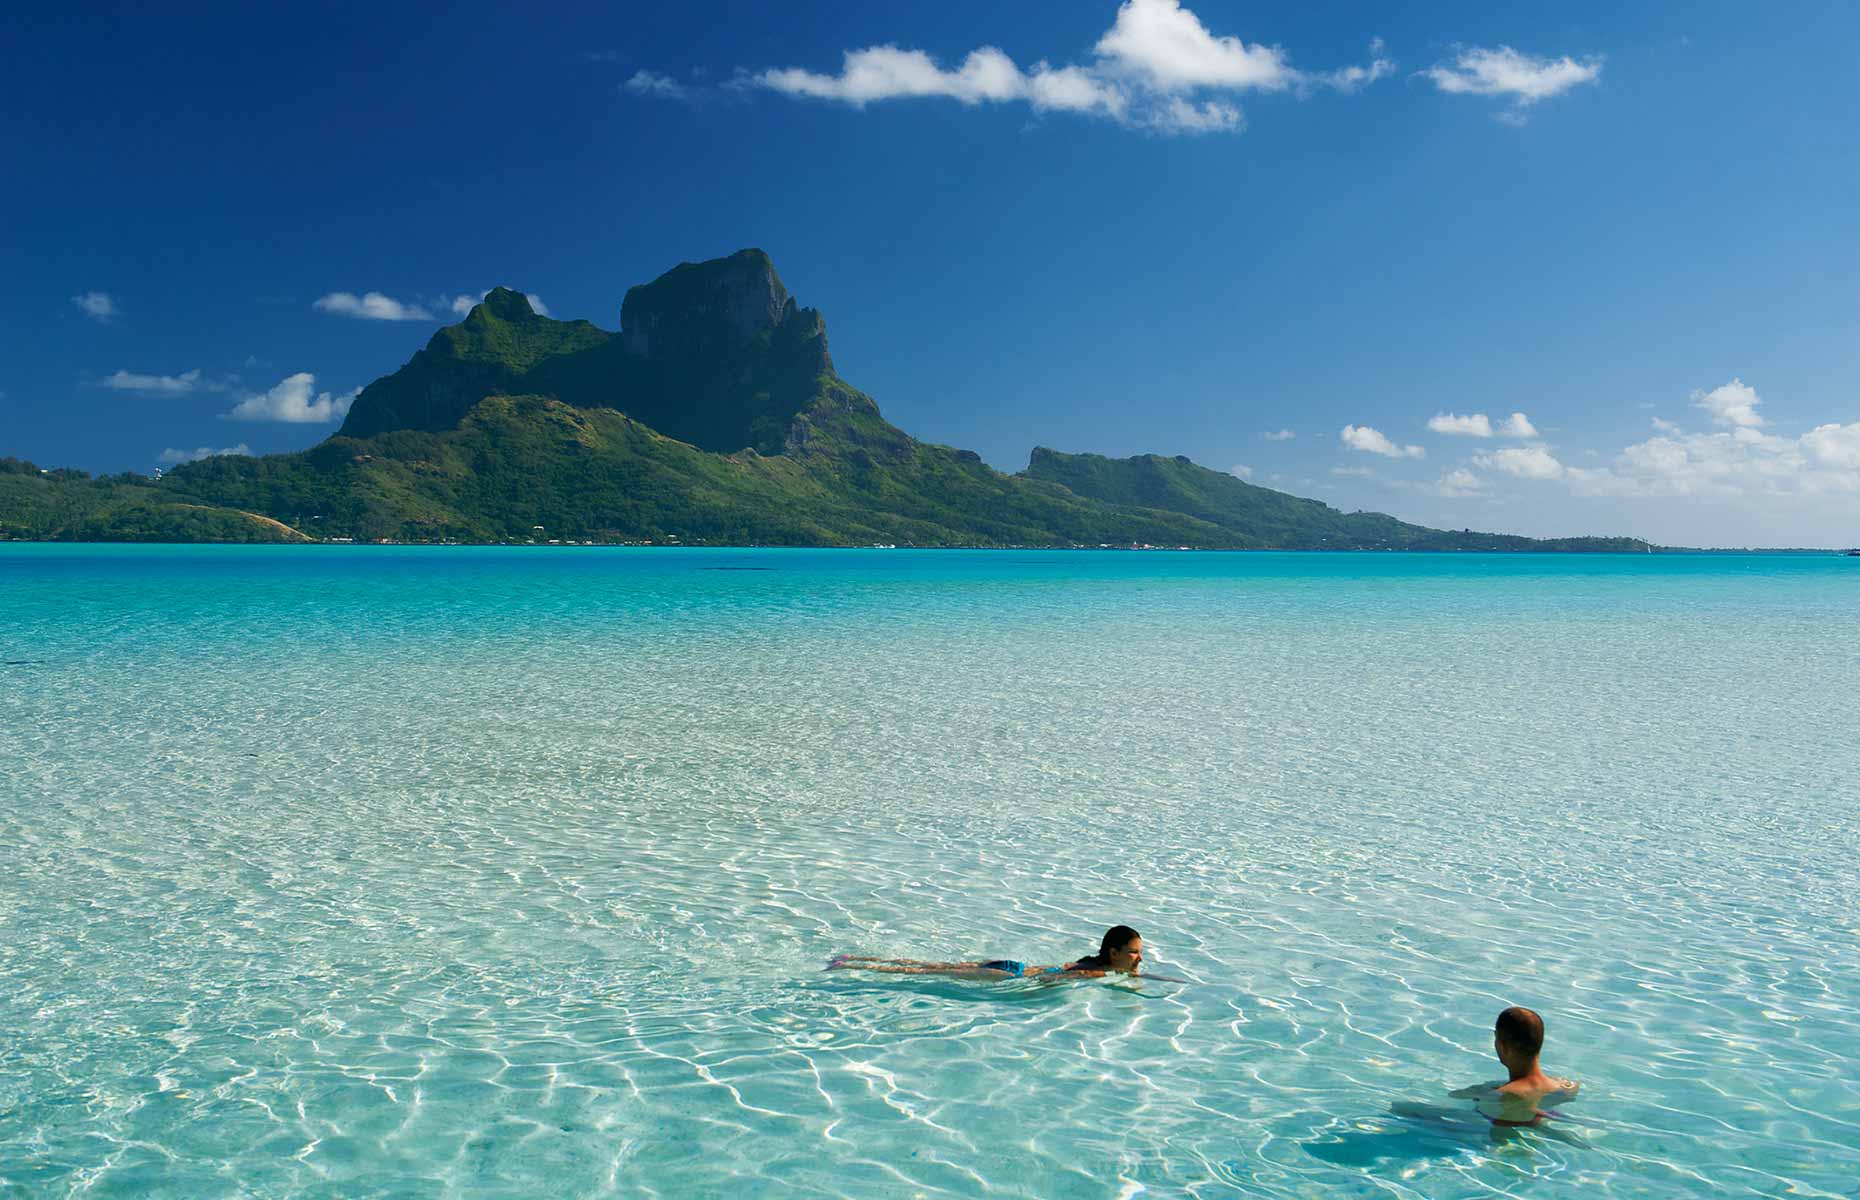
(1522,1030)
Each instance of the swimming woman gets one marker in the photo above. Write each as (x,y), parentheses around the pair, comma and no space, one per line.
(1120,952)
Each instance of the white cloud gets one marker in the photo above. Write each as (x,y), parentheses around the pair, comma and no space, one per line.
(1150,70)
(889,73)
(1734,405)
(1371,441)
(1357,472)
(1354,78)
(1240,472)
(1470,425)
(1502,71)
(1836,446)
(1185,116)
(1517,425)
(1765,474)
(650,83)
(1074,90)
(1279,435)
(98,306)
(371,306)
(1169,48)
(296,401)
(1479,425)
(987,74)
(463,304)
(1743,462)
(160,385)
(1523,462)
(172,455)
(1460,483)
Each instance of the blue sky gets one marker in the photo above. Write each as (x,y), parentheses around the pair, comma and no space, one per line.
(1122,229)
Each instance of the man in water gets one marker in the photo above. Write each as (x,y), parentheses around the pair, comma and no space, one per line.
(1518,1038)
(1120,951)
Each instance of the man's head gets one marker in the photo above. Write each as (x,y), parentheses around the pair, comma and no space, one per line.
(1122,949)
(1518,1036)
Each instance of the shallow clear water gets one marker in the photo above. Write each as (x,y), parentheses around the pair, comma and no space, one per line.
(461,872)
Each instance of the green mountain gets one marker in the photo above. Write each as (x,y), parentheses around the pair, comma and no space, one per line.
(713,416)
(1275,518)
(716,354)
(489,352)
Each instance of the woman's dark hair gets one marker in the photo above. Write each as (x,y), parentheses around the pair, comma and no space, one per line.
(1115,938)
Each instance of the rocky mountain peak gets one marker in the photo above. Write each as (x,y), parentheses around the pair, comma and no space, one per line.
(720,304)
(507,305)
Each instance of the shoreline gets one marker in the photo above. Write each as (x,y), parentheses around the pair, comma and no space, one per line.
(566,544)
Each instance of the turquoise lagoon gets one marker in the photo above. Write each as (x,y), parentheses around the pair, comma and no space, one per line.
(475,872)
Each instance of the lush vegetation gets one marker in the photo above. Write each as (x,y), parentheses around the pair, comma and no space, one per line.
(490,351)
(715,354)
(714,417)
(516,463)
(1275,518)
(70,506)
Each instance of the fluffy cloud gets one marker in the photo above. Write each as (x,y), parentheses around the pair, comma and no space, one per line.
(1743,462)
(888,73)
(1471,425)
(1074,90)
(1737,460)
(1371,441)
(1833,446)
(1240,472)
(1460,483)
(1523,462)
(1525,78)
(158,385)
(97,306)
(1147,71)
(650,83)
(1279,435)
(891,73)
(462,304)
(370,306)
(1479,425)
(1734,405)
(296,401)
(172,455)
(1168,48)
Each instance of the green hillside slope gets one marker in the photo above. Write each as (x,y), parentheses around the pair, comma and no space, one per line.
(71,506)
(1273,518)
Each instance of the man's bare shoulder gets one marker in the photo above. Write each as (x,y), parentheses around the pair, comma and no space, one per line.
(1543,1085)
